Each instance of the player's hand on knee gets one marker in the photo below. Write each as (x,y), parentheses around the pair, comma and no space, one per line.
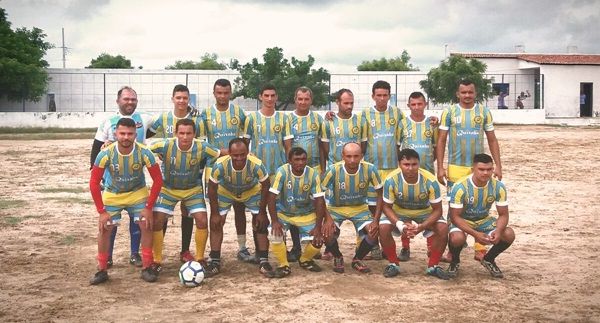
(441,175)
(146,218)
(482,238)
(104,221)
(328,228)
(277,229)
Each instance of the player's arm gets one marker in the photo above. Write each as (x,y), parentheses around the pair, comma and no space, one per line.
(213,200)
(276,227)
(261,219)
(436,214)
(96,191)
(439,155)
(501,224)
(323,155)
(287,145)
(495,151)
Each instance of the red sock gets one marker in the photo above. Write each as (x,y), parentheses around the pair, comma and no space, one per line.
(429,243)
(405,242)
(390,253)
(102,260)
(434,258)
(147,257)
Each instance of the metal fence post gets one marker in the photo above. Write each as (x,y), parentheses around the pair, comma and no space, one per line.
(104,91)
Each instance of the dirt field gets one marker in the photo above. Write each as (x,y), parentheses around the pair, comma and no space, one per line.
(48,227)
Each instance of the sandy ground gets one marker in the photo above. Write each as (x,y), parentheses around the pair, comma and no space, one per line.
(49,245)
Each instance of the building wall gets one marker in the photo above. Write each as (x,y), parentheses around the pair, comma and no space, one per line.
(562,88)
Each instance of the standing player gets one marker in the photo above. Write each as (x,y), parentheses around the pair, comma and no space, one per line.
(306,128)
(465,124)
(296,199)
(418,132)
(470,201)
(127,103)
(164,126)
(348,182)
(224,121)
(411,194)
(125,189)
(183,158)
(243,179)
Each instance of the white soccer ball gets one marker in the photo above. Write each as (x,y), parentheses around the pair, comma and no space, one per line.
(191,274)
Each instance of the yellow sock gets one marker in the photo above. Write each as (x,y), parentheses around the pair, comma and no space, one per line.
(479,247)
(309,252)
(201,236)
(157,245)
(280,253)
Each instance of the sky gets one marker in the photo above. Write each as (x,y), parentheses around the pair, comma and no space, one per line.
(338,34)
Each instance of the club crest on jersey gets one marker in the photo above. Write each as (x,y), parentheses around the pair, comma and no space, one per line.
(428,133)
(392,121)
(478,119)
(423,196)
(362,185)
(489,199)
(305,187)
(193,161)
(248,179)
(355,130)
(314,126)
(277,128)
(234,121)
(136,166)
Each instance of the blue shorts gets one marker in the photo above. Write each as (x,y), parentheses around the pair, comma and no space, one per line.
(359,215)
(485,225)
(192,198)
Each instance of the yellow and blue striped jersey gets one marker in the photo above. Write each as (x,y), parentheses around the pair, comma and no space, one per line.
(125,172)
(477,201)
(182,170)
(466,130)
(338,132)
(306,130)
(267,135)
(383,136)
(222,126)
(164,125)
(238,181)
(412,199)
(296,193)
(350,189)
(422,137)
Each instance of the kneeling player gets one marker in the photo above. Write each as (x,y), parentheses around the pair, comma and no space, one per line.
(470,201)
(412,195)
(125,189)
(243,179)
(183,159)
(348,182)
(297,199)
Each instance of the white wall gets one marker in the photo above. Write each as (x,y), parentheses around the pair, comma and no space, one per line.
(562,88)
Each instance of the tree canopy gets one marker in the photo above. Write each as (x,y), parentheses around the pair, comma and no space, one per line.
(286,75)
(208,61)
(398,63)
(22,67)
(105,60)
(442,81)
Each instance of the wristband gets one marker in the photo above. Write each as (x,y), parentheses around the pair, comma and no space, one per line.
(400,226)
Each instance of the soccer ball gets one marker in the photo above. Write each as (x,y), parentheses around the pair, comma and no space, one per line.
(191,274)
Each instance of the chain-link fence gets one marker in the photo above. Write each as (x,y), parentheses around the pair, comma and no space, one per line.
(83,90)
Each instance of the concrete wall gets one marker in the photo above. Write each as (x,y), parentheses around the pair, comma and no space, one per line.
(561,87)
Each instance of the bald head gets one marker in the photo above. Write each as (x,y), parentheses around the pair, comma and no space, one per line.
(351,148)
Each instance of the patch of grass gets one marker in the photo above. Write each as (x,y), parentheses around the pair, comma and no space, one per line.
(72,200)
(67,240)
(62,190)
(12,220)
(9,130)
(9,204)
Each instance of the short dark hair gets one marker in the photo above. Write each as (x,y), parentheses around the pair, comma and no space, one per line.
(222,83)
(125,88)
(180,88)
(407,154)
(237,141)
(303,89)
(126,122)
(465,82)
(296,151)
(417,95)
(339,93)
(185,122)
(381,85)
(267,86)
(482,158)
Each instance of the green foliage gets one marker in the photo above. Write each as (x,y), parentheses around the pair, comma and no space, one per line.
(393,64)
(105,60)
(442,82)
(207,62)
(286,76)
(22,67)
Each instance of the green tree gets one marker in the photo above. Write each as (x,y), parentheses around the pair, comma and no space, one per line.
(286,75)
(442,81)
(401,63)
(22,68)
(105,60)
(207,62)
